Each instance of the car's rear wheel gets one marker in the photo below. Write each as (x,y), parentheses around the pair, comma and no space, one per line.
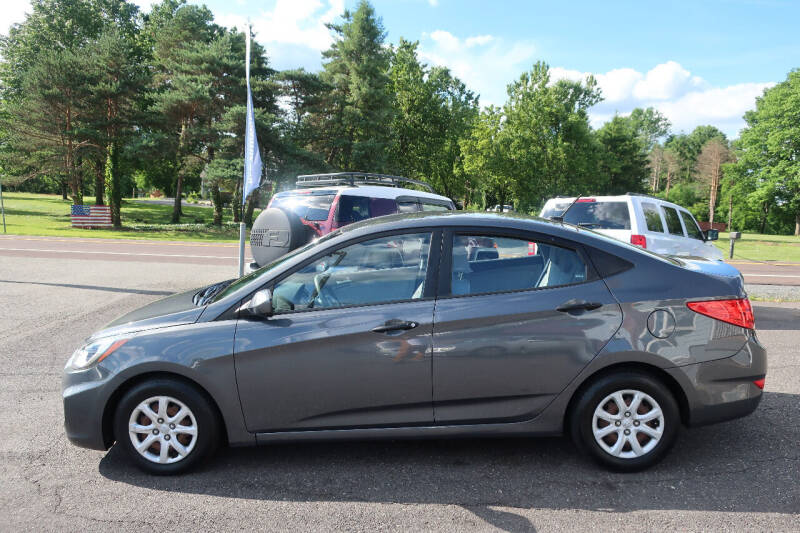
(627,421)
(166,426)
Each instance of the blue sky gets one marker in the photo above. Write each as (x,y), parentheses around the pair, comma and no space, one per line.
(699,62)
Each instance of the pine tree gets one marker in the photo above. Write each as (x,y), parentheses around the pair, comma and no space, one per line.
(354,116)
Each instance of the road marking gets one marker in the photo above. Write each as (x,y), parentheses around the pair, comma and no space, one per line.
(762,264)
(770,276)
(115,253)
(120,241)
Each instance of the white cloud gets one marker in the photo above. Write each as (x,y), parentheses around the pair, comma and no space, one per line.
(485,63)
(13,12)
(293,31)
(685,99)
(722,107)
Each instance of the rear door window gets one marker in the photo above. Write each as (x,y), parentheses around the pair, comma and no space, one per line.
(673,221)
(691,226)
(599,215)
(483,264)
(652,217)
(407,206)
(433,207)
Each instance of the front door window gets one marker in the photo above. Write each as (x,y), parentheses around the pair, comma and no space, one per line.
(387,269)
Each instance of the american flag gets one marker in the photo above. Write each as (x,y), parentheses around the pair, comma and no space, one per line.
(91,216)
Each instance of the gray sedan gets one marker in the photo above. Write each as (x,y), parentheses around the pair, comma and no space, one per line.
(427,325)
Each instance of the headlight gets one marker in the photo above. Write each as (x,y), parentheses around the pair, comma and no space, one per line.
(93,353)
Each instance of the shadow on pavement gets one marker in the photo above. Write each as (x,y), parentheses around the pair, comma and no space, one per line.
(745,465)
(92,287)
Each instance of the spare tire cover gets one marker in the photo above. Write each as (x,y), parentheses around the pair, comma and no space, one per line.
(275,233)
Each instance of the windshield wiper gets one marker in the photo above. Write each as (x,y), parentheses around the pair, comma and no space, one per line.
(209,292)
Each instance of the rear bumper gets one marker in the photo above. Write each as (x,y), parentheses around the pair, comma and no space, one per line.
(723,389)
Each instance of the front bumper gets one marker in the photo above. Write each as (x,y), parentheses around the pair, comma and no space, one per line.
(723,389)
(85,398)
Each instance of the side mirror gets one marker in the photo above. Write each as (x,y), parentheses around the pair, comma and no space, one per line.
(712,235)
(260,304)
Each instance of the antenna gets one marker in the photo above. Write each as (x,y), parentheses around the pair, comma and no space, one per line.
(560,218)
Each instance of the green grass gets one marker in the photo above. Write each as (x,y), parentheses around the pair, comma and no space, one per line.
(44,214)
(759,247)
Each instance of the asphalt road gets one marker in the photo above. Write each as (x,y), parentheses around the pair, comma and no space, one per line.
(766,273)
(740,475)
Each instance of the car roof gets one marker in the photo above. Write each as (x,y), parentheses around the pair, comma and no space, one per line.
(618,198)
(371,191)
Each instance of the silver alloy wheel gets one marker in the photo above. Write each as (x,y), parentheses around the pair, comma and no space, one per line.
(628,424)
(162,429)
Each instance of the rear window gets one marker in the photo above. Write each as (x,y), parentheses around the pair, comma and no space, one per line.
(652,217)
(308,206)
(673,222)
(596,215)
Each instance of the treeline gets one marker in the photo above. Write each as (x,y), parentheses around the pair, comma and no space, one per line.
(99,98)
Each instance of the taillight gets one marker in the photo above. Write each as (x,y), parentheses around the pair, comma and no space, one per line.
(584,200)
(759,383)
(737,312)
(639,240)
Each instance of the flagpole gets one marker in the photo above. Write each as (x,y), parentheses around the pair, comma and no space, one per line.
(252,157)
(2,207)
(242,226)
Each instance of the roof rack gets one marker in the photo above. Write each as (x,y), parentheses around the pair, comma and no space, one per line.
(644,195)
(356,178)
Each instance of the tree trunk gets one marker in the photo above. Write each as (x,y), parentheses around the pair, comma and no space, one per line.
(730,210)
(248,212)
(669,182)
(176,206)
(236,204)
(64,189)
(797,224)
(764,218)
(216,199)
(99,183)
(113,184)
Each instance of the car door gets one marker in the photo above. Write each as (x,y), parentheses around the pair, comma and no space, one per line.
(514,325)
(677,243)
(657,239)
(349,344)
(695,241)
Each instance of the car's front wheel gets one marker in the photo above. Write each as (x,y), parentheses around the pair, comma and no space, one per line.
(166,426)
(627,421)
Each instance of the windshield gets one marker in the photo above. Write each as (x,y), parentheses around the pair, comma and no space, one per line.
(591,214)
(244,280)
(313,206)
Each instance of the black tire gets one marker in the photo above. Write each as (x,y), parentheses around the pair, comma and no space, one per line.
(582,421)
(206,423)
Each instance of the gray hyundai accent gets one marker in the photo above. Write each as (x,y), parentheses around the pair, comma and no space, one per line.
(427,325)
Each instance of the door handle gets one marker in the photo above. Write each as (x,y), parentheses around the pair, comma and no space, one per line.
(395,325)
(570,306)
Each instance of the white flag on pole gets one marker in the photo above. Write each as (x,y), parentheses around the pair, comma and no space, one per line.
(252,155)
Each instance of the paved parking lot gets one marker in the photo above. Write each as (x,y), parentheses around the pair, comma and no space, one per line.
(741,475)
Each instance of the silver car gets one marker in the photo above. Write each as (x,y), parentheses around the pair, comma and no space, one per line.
(428,324)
